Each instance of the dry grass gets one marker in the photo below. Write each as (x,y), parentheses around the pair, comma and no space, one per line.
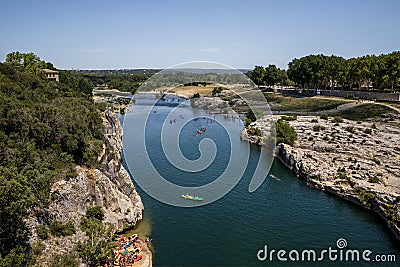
(189,91)
(288,103)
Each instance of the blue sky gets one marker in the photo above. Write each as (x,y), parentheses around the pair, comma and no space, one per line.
(157,34)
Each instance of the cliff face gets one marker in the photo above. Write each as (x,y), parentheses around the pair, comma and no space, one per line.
(356,161)
(109,187)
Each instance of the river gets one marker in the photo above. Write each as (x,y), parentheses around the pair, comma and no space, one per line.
(283,213)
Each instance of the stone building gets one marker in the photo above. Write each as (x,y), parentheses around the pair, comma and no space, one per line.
(52,75)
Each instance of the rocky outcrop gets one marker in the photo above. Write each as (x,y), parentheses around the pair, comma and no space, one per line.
(356,161)
(108,186)
(211,104)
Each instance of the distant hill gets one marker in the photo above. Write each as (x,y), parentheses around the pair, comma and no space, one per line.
(153,71)
(117,71)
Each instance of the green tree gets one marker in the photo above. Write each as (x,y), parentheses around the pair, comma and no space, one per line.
(28,62)
(393,69)
(257,75)
(98,247)
(15,199)
(285,133)
(64,260)
(271,75)
(17,257)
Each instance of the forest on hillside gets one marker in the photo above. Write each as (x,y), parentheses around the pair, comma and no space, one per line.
(46,129)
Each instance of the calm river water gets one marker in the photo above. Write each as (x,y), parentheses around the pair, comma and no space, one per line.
(283,213)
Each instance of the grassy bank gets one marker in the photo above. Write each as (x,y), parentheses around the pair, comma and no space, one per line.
(288,103)
(365,111)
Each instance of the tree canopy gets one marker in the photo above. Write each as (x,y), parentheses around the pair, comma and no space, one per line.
(271,75)
(334,72)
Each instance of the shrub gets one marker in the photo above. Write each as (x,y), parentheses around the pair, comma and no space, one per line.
(216,91)
(337,120)
(365,197)
(318,128)
(289,118)
(196,95)
(314,121)
(326,138)
(373,179)
(95,212)
(341,169)
(368,131)
(62,229)
(64,260)
(93,149)
(324,117)
(285,133)
(69,228)
(350,129)
(254,131)
(250,117)
(37,247)
(42,232)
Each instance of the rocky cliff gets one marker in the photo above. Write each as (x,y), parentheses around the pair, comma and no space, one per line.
(356,161)
(109,187)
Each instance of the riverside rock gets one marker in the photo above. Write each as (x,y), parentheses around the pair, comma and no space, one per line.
(109,187)
(356,161)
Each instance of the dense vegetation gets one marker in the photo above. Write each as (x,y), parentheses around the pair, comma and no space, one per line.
(271,75)
(130,82)
(122,82)
(288,103)
(285,133)
(99,247)
(365,111)
(334,72)
(46,128)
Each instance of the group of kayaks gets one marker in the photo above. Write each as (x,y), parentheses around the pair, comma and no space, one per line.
(201,130)
(189,197)
(127,250)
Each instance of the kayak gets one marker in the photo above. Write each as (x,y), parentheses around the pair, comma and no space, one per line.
(192,197)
